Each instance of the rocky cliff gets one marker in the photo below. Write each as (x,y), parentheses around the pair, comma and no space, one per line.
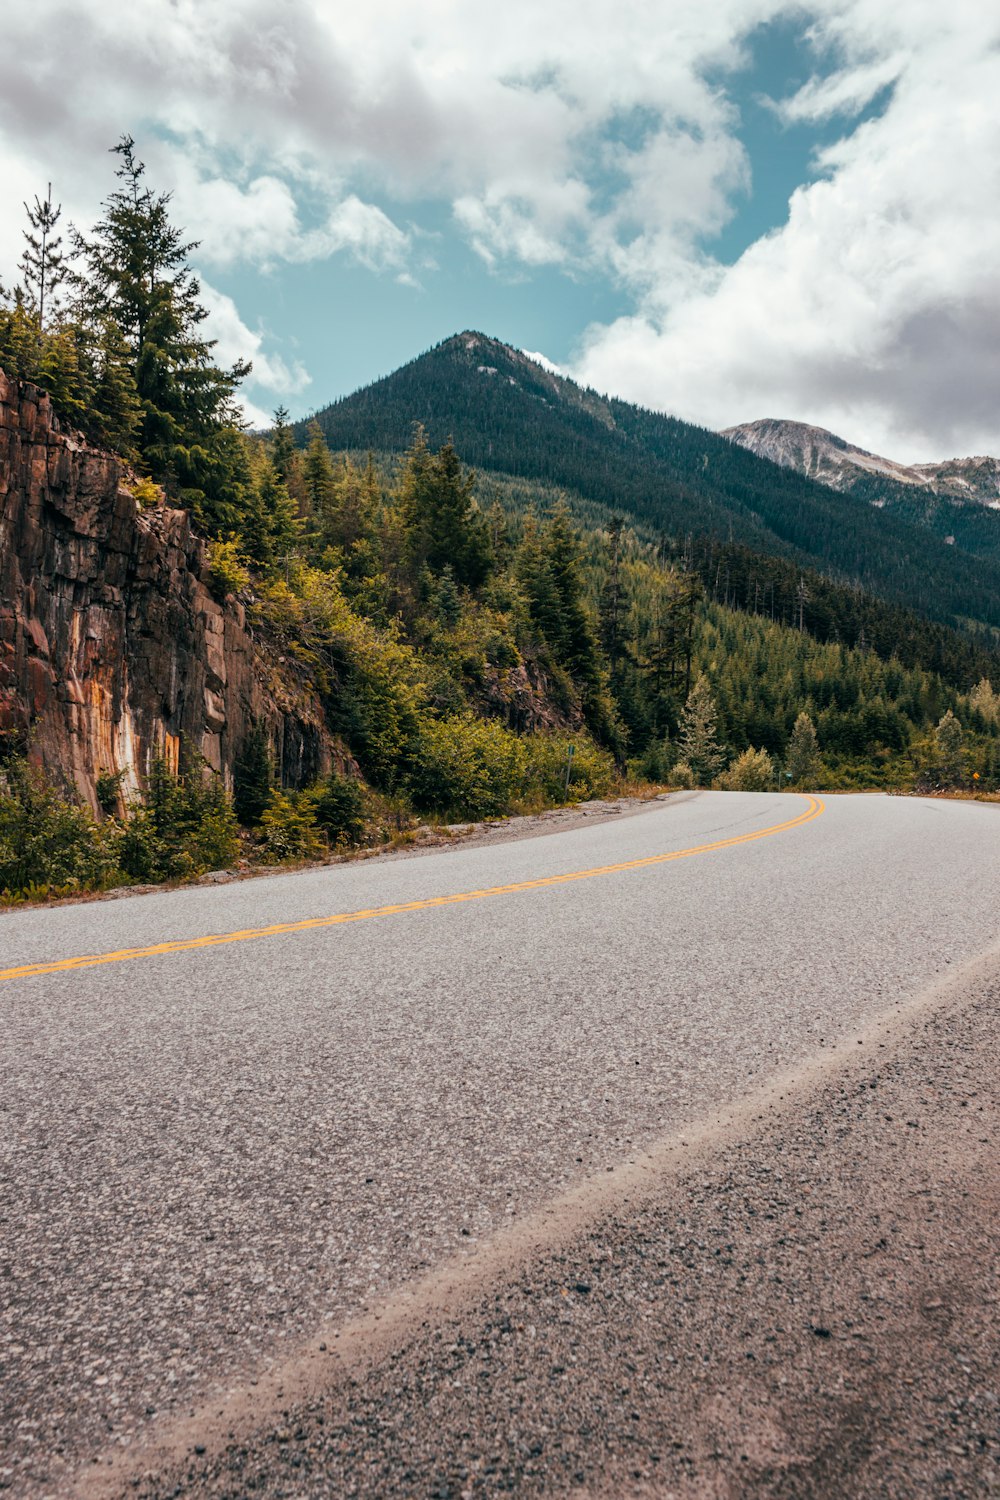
(112,646)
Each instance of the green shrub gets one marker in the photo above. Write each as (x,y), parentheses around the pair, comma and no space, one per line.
(227,572)
(108,789)
(656,762)
(472,767)
(591,770)
(682,776)
(288,829)
(186,825)
(339,809)
(146,493)
(753,771)
(48,842)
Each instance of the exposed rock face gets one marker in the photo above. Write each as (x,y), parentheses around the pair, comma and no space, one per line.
(112,647)
(832,461)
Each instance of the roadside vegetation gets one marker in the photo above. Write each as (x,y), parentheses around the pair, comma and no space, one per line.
(473,659)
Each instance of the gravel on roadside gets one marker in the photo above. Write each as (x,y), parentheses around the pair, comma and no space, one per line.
(810,1309)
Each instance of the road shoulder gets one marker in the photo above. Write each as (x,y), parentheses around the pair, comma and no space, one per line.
(803,1305)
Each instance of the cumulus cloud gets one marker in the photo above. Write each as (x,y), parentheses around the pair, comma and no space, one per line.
(586,135)
(266,124)
(234,340)
(874,311)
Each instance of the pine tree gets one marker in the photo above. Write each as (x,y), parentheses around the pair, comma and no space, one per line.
(43,262)
(253,778)
(319,474)
(443,523)
(613,602)
(699,746)
(499,532)
(133,271)
(270,526)
(949,744)
(576,643)
(802,759)
(18,336)
(448,600)
(985,700)
(282,444)
(115,409)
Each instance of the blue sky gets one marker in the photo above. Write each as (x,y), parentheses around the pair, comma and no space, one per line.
(350,324)
(729,211)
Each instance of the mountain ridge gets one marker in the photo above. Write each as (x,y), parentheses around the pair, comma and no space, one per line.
(830,459)
(507,413)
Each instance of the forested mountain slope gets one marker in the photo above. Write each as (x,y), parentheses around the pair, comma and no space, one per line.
(505,412)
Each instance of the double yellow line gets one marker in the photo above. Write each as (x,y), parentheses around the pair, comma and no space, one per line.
(310,924)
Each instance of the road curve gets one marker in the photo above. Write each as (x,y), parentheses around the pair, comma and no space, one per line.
(221,1145)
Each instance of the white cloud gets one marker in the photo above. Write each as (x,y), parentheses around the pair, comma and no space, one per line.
(875,311)
(235,341)
(364,230)
(266,127)
(845,92)
(544,361)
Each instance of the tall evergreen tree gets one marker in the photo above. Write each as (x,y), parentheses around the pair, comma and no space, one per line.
(43,262)
(319,474)
(282,444)
(802,758)
(613,602)
(270,526)
(576,643)
(133,269)
(949,741)
(699,743)
(442,519)
(253,778)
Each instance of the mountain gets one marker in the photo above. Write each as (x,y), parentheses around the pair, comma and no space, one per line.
(507,413)
(833,461)
(959,500)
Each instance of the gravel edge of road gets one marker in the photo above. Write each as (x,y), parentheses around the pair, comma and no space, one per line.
(379,1411)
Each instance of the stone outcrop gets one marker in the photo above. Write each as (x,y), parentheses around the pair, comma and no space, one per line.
(112,646)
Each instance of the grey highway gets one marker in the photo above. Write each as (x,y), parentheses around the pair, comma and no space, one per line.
(217,1154)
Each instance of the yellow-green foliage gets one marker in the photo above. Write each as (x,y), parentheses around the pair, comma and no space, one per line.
(49,843)
(227,571)
(146,493)
(474,767)
(373,681)
(752,771)
(591,769)
(681,776)
(985,700)
(288,829)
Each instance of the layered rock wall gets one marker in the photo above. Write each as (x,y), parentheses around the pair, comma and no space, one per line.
(112,647)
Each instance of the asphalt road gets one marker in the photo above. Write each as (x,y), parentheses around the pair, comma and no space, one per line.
(213,1155)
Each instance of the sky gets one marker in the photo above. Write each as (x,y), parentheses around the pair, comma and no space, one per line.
(724,211)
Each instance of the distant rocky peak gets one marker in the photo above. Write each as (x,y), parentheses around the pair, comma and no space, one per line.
(835,462)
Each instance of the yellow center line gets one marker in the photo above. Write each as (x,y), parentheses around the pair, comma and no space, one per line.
(308,924)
